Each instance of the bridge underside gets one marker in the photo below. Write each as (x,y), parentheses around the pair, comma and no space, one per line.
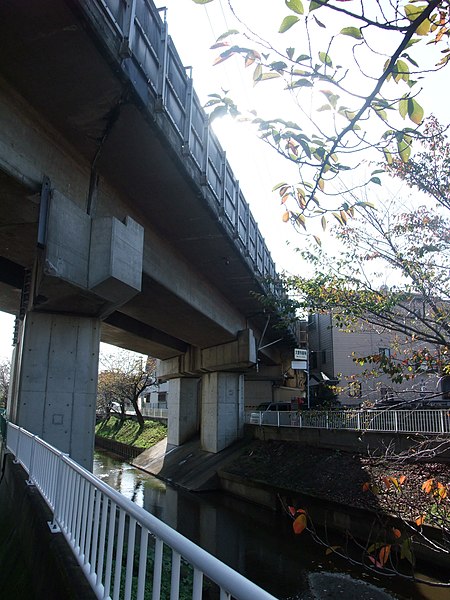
(109,228)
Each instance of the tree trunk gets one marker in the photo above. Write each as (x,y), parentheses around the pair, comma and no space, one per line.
(139,416)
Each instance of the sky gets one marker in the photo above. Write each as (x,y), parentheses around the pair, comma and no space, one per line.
(194,29)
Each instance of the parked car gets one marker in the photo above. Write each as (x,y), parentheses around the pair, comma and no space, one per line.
(268,413)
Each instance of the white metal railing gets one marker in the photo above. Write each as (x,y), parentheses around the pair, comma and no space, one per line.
(124,551)
(150,411)
(406,421)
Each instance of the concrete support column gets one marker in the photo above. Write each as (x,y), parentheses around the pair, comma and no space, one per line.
(222,410)
(55,381)
(182,403)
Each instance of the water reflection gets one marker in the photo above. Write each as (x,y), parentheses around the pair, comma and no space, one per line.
(255,541)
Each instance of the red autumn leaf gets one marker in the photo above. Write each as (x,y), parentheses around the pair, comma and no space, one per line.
(384,554)
(420,520)
(442,490)
(291,510)
(402,479)
(427,486)
(366,486)
(397,533)
(299,524)
(387,482)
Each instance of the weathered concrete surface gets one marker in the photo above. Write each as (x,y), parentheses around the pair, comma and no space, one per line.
(187,466)
(347,440)
(34,562)
(54,392)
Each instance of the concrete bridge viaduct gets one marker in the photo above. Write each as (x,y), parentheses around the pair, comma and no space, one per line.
(121,220)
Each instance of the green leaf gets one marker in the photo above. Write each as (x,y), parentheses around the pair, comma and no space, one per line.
(376,180)
(321,109)
(319,23)
(412,61)
(323,222)
(415,111)
(403,107)
(412,11)
(295,5)
(406,552)
(411,43)
(302,57)
(227,33)
(314,5)
(257,74)
(353,32)
(201,1)
(402,71)
(325,59)
(287,23)
(268,76)
(290,52)
(388,156)
(404,149)
(219,111)
(300,83)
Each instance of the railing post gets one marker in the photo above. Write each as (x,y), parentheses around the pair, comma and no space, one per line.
(237,208)
(128,28)
(358,421)
(188,116)
(395,421)
(205,142)
(223,174)
(53,525)
(441,418)
(30,480)
(163,68)
(300,422)
(17,450)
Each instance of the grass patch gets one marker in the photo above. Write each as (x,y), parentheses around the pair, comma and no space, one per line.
(127,432)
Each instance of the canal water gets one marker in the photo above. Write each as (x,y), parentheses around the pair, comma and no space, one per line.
(255,541)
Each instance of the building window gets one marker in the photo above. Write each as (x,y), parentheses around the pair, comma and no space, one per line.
(384,352)
(324,357)
(313,360)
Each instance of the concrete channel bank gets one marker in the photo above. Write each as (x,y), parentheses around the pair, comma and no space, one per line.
(195,470)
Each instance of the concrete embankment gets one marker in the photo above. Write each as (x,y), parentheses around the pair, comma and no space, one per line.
(326,483)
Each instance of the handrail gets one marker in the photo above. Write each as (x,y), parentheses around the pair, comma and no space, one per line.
(430,421)
(100,526)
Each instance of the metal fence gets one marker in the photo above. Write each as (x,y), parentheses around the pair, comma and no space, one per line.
(405,421)
(149,56)
(124,551)
(156,413)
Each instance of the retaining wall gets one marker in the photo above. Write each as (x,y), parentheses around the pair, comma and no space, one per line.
(348,440)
